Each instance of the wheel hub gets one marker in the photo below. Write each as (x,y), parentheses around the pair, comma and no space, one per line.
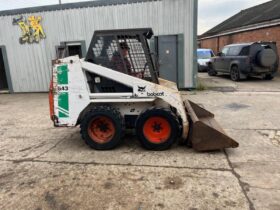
(234,74)
(157,127)
(101,129)
(102,126)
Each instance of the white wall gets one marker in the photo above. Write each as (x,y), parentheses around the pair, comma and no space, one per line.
(30,64)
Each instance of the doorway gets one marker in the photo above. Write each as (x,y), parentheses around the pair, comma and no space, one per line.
(167,57)
(3,76)
(169,51)
(73,48)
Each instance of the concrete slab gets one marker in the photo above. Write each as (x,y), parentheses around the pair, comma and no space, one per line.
(47,143)
(18,141)
(32,185)
(253,147)
(253,84)
(217,83)
(265,198)
(75,150)
(269,174)
(241,111)
(257,163)
(51,168)
(253,120)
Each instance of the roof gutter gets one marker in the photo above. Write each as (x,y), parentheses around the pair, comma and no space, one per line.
(245,28)
(76,5)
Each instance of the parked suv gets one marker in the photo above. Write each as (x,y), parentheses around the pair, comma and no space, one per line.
(247,59)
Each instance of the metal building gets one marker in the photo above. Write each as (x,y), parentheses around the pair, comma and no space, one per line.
(31,38)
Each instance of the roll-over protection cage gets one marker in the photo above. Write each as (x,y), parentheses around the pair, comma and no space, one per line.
(106,45)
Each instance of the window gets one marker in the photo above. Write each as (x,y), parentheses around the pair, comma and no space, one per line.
(123,53)
(266,46)
(245,51)
(60,52)
(225,51)
(233,51)
(204,54)
(73,48)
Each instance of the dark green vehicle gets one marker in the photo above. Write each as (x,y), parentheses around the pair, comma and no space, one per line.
(246,59)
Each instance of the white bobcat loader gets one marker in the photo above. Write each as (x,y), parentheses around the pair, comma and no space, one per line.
(116,87)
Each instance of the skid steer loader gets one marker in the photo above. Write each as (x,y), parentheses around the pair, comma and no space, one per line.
(117,87)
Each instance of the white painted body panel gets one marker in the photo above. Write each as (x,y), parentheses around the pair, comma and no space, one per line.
(80,96)
(78,92)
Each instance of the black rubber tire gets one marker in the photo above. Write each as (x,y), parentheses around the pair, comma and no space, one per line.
(168,115)
(234,73)
(108,112)
(211,71)
(268,77)
(198,68)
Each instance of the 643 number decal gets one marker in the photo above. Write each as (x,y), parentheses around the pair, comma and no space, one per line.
(62,88)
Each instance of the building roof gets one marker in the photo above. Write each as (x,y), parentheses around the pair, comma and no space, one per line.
(97,3)
(262,13)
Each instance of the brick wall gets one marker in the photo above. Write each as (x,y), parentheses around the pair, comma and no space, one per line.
(266,34)
(210,44)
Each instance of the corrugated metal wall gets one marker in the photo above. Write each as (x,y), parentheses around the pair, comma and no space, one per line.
(30,64)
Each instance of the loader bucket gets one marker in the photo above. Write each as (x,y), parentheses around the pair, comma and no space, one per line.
(205,133)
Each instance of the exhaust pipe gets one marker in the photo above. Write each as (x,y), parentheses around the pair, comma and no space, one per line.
(205,133)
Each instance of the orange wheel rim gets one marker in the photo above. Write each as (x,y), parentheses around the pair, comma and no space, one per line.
(157,130)
(101,129)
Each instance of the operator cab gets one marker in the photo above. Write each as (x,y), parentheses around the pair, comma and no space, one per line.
(125,51)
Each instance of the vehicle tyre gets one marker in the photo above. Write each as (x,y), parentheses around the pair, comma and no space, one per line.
(268,77)
(198,68)
(157,128)
(102,128)
(211,71)
(234,73)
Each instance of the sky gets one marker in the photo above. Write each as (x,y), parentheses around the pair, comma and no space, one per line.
(210,12)
(213,12)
